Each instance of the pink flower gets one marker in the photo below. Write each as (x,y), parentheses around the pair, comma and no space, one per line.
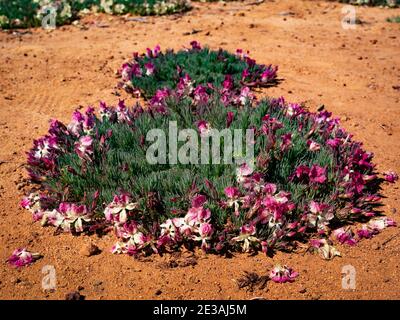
(317,174)
(243,171)
(283,274)
(227,84)
(229,118)
(22,257)
(286,142)
(365,232)
(302,172)
(84,147)
(149,68)
(247,236)
(232,192)
(117,211)
(391,176)
(126,72)
(197,215)
(195,45)
(200,94)
(313,146)
(205,230)
(381,223)
(153,53)
(203,127)
(344,236)
(198,201)
(245,95)
(74,215)
(269,74)
(334,143)
(172,228)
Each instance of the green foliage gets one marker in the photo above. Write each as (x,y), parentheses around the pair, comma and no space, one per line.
(29,13)
(124,167)
(394,19)
(389,3)
(204,66)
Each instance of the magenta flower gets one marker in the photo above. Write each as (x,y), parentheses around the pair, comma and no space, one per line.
(243,171)
(197,215)
(317,174)
(227,84)
(247,236)
(269,74)
(391,176)
(366,232)
(173,228)
(22,257)
(136,71)
(245,74)
(199,200)
(205,230)
(200,94)
(185,85)
(232,192)
(84,147)
(153,53)
(381,223)
(245,96)
(324,249)
(286,142)
(195,45)
(229,118)
(283,274)
(126,72)
(203,127)
(149,69)
(74,215)
(344,236)
(117,211)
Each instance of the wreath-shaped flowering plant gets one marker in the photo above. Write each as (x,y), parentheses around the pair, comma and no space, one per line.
(306,176)
(155,70)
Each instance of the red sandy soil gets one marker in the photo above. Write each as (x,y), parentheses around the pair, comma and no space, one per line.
(354,73)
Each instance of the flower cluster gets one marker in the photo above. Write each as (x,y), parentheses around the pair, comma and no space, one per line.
(22,257)
(307,176)
(155,70)
(283,274)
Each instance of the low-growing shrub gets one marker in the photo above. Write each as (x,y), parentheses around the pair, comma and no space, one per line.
(394,19)
(388,3)
(29,13)
(307,178)
(155,70)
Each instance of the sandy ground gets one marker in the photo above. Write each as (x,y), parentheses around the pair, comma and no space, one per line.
(354,73)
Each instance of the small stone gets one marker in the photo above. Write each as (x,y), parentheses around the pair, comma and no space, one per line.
(376,246)
(89,249)
(303,290)
(158,292)
(75,295)
(394,210)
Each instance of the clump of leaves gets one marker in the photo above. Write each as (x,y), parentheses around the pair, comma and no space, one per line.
(251,280)
(388,3)
(30,13)
(155,70)
(308,174)
(394,19)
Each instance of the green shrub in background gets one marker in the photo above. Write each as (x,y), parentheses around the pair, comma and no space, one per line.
(29,13)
